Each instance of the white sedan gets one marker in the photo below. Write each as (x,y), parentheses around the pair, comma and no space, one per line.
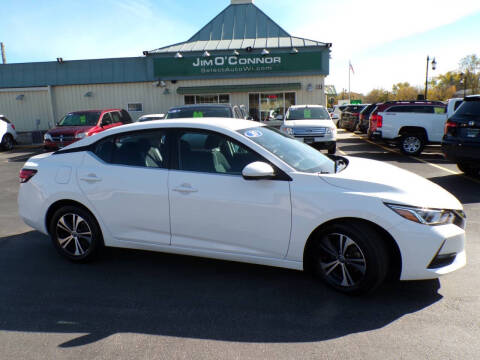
(241,191)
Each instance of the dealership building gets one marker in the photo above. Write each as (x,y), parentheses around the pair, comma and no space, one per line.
(240,57)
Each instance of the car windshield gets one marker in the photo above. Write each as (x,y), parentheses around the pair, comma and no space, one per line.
(469,108)
(308,113)
(199,112)
(298,155)
(80,119)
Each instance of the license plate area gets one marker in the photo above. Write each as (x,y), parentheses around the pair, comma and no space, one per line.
(473,133)
(309,140)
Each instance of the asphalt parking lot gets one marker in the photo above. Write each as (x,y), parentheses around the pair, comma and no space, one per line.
(133,304)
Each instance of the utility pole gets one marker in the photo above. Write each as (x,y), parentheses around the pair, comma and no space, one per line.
(4,58)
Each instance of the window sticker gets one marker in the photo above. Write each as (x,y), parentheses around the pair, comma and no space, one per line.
(197,114)
(253,133)
(83,119)
(439,110)
(307,114)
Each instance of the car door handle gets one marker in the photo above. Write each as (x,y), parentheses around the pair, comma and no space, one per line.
(91,178)
(185,189)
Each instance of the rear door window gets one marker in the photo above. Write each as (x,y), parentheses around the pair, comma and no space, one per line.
(141,149)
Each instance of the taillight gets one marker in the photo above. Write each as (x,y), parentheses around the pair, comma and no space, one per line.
(450,125)
(379,121)
(13,126)
(376,121)
(26,174)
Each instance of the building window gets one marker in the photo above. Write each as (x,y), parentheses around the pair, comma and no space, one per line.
(135,107)
(207,99)
(270,106)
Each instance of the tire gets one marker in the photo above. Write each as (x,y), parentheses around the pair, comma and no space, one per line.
(469,169)
(7,142)
(353,258)
(332,149)
(78,243)
(412,144)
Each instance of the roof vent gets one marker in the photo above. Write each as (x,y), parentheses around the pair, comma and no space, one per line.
(238,2)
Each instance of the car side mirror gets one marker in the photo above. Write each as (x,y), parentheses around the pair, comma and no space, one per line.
(258,171)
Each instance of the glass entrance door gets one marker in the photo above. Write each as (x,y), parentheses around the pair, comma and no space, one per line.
(270,107)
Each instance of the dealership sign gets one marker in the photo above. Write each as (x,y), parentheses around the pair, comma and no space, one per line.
(224,65)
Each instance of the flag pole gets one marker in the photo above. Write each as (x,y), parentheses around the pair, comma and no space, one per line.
(349,90)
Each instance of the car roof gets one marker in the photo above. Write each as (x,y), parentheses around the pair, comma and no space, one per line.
(302,106)
(201,105)
(206,123)
(152,115)
(86,111)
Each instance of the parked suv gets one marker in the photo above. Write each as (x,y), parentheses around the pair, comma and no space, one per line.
(363,118)
(207,110)
(312,125)
(79,124)
(350,116)
(412,124)
(461,142)
(8,135)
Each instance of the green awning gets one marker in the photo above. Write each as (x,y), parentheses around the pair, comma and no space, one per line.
(226,89)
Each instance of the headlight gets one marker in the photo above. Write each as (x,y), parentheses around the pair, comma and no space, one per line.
(430,216)
(80,135)
(287,130)
(330,130)
(47,137)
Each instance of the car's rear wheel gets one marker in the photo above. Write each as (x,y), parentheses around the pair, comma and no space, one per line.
(7,142)
(469,169)
(75,233)
(351,258)
(412,144)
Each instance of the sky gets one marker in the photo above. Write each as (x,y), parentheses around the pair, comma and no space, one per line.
(386,41)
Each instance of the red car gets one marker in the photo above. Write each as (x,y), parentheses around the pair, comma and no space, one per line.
(79,124)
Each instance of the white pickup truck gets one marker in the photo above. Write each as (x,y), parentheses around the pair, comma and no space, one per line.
(412,123)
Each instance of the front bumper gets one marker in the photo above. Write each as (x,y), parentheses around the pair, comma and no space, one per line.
(326,139)
(56,145)
(429,251)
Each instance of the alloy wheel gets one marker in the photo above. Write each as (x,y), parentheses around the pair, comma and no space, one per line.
(341,260)
(411,144)
(73,234)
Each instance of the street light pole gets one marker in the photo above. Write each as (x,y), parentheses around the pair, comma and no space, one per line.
(434,66)
(426,78)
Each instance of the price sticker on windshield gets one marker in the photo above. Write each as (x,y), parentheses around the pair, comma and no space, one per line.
(83,119)
(253,133)
(307,114)
(198,114)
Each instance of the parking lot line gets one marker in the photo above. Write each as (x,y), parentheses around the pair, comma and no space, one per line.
(418,159)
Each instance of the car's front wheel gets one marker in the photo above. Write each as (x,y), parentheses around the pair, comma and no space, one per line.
(351,258)
(75,233)
(332,149)
(7,142)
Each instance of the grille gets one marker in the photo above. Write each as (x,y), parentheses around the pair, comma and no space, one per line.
(63,138)
(309,131)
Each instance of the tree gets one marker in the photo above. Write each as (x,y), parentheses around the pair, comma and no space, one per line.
(378,95)
(404,91)
(469,66)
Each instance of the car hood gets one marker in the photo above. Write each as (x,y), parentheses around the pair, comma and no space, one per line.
(308,123)
(69,130)
(391,184)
